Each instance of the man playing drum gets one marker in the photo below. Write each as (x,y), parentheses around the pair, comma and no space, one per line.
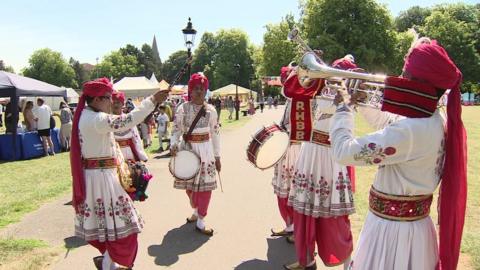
(321,193)
(128,140)
(105,215)
(204,141)
(413,153)
(284,170)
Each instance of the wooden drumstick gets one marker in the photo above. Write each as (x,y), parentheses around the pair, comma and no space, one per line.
(220,180)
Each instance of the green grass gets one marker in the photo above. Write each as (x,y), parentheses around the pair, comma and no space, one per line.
(471,235)
(25,185)
(26,254)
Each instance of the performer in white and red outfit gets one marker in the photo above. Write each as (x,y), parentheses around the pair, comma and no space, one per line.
(321,193)
(105,215)
(128,140)
(413,152)
(205,142)
(284,170)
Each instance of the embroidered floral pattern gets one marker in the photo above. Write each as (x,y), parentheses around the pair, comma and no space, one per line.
(117,122)
(374,154)
(342,184)
(83,213)
(123,210)
(99,210)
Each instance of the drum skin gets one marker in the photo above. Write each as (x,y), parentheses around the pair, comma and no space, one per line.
(185,165)
(268,146)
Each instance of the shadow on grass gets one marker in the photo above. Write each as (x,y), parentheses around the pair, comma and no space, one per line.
(279,253)
(181,240)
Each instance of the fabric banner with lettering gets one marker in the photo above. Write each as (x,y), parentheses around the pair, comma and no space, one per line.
(301,115)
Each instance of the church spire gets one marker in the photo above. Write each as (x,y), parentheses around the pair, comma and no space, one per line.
(156,54)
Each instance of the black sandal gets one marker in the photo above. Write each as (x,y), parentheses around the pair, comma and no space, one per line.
(207,232)
(98,262)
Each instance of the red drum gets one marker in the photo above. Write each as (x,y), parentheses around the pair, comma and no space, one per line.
(268,146)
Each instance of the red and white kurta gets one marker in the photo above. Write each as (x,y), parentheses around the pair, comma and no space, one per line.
(133,136)
(409,153)
(108,213)
(207,150)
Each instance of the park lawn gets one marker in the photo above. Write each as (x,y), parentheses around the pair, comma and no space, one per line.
(26,254)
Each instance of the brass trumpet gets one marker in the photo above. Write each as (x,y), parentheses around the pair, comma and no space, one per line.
(342,80)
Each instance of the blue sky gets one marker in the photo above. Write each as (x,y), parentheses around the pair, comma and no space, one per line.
(88,29)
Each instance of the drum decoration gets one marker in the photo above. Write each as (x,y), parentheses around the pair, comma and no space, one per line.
(268,146)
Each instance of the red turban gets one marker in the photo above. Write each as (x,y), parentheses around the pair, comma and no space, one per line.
(430,62)
(96,88)
(344,63)
(120,96)
(195,80)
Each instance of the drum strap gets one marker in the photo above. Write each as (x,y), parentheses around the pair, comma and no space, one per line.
(194,123)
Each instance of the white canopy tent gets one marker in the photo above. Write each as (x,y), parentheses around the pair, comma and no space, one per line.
(135,87)
(243,93)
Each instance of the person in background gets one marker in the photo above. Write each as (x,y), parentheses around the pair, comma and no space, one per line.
(162,128)
(270,101)
(66,119)
(218,106)
(262,103)
(29,118)
(10,126)
(44,114)
(275,102)
(230,107)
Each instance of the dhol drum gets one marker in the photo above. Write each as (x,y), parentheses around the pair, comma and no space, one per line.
(268,146)
(185,165)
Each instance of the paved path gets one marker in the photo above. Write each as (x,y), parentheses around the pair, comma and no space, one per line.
(241,216)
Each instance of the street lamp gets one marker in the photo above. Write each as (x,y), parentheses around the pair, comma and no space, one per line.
(189,35)
(237,101)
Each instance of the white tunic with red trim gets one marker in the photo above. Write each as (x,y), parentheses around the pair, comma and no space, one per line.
(409,153)
(284,169)
(108,212)
(131,134)
(320,186)
(206,150)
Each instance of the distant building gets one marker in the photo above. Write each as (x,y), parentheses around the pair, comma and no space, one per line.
(156,54)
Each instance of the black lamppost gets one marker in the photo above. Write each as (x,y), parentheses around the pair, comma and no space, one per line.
(189,34)
(237,101)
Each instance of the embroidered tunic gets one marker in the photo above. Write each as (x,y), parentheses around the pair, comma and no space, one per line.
(207,150)
(409,153)
(320,187)
(284,169)
(108,212)
(131,134)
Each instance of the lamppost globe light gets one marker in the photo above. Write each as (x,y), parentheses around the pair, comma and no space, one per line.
(189,34)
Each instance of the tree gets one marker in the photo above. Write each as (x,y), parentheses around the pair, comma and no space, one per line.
(117,65)
(360,27)
(6,68)
(414,16)
(50,66)
(455,27)
(402,45)
(204,55)
(277,50)
(232,48)
(173,65)
(81,74)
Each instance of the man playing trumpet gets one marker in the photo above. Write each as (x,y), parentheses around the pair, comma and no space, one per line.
(415,150)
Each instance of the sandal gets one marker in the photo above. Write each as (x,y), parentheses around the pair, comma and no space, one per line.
(98,262)
(207,232)
(281,232)
(290,239)
(192,219)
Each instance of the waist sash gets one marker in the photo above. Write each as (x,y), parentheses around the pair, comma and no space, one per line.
(399,208)
(100,163)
